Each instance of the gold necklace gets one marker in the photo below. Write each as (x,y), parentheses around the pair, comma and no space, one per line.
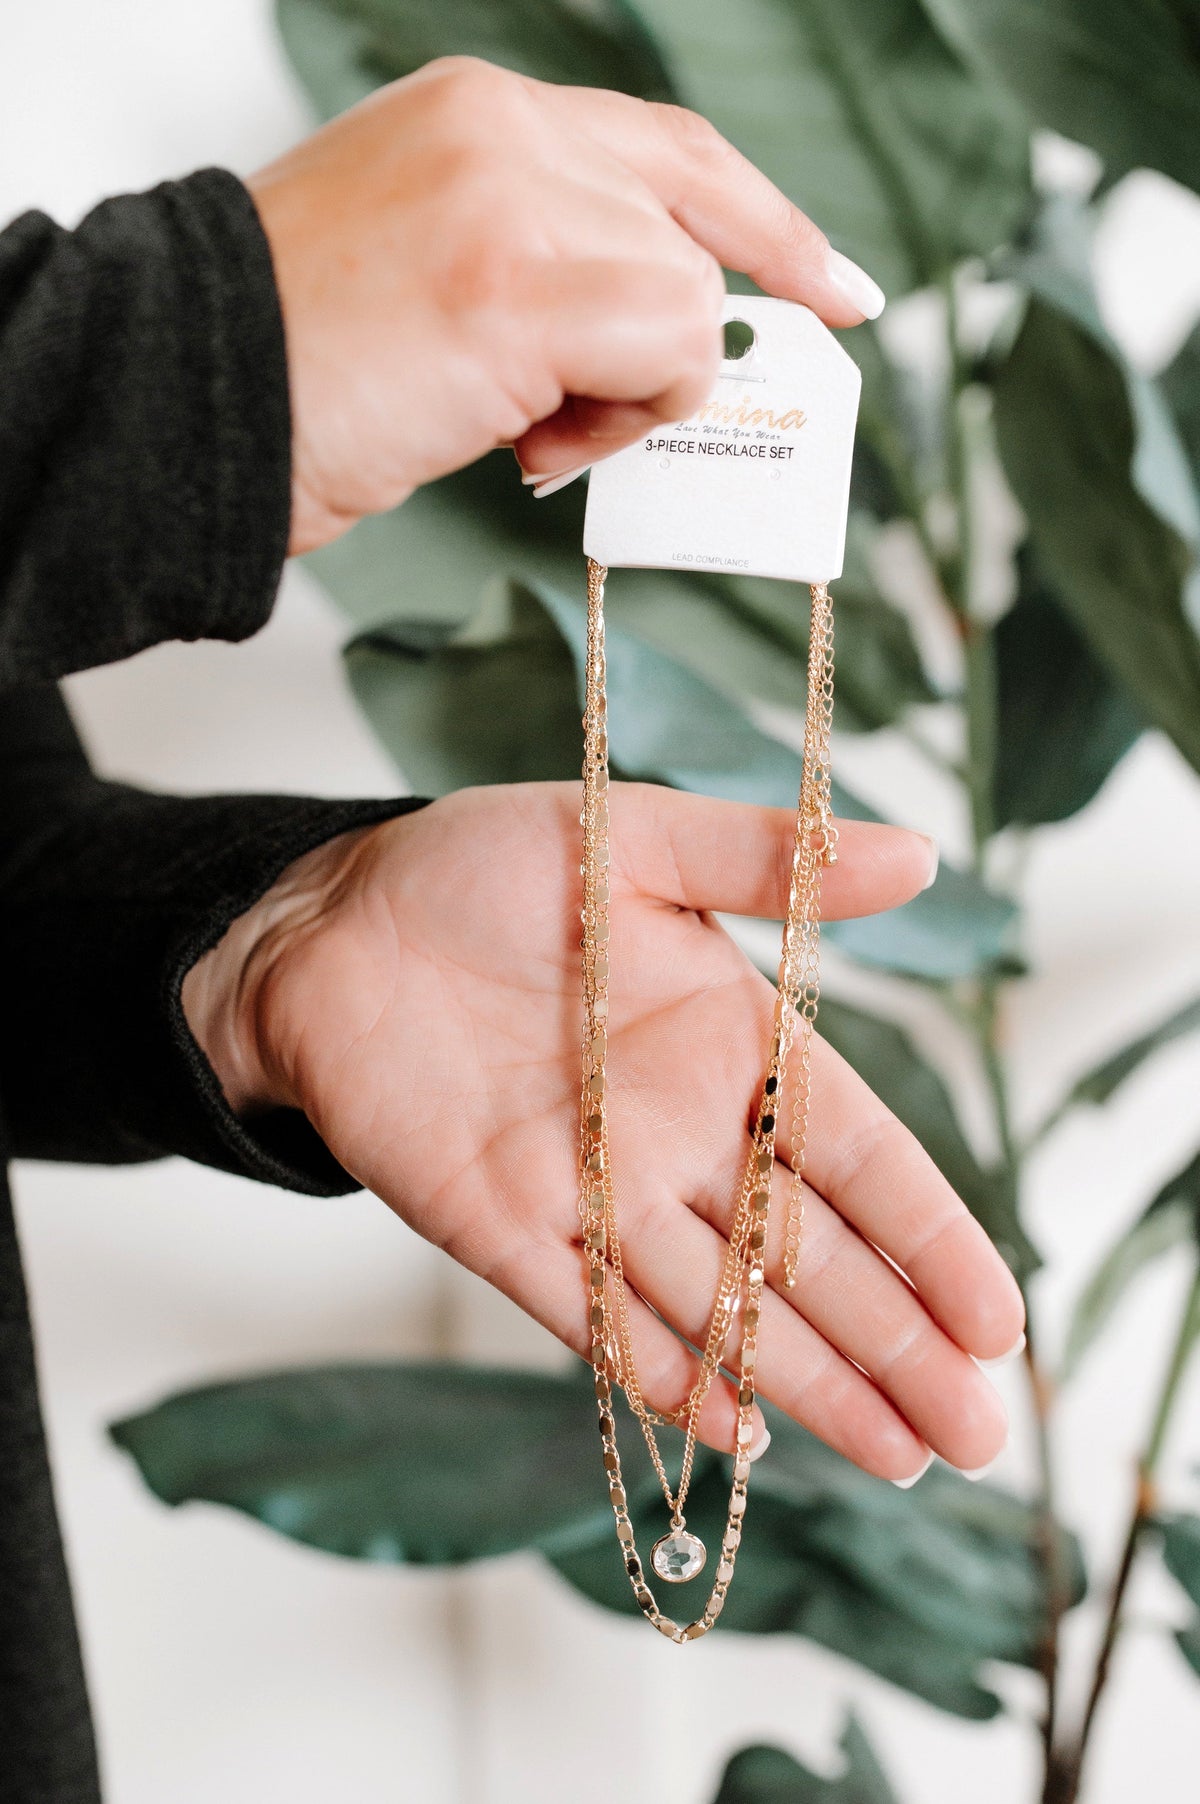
(679,1554)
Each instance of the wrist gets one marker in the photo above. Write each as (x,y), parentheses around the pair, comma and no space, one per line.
(226,993)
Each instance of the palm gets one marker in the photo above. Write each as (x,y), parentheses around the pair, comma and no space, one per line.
(433,1028)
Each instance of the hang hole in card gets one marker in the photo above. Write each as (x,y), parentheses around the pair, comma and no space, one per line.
(757,480)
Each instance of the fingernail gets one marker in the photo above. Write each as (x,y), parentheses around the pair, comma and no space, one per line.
(933,861)
(760,1447)
(1002,1359)
(855,285)
(549,485)
(975,1473)
(906,1484)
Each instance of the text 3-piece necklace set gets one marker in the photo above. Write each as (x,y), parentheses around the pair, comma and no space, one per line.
(679,1555)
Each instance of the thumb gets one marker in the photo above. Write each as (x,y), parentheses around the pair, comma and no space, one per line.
(736,857)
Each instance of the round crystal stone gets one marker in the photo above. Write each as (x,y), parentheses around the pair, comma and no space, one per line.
(678,1556)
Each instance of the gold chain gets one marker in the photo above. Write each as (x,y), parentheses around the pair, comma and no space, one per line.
(743,1274)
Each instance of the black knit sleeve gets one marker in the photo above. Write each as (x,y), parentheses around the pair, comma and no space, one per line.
(108,896)
(145,459)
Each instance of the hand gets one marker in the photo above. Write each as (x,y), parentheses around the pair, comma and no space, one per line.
(415,989)
(471,258)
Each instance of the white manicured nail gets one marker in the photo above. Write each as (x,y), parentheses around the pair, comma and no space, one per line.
(1002,1359)
(906,1484)
(550,485)
(933,861)
(975,1473)
(760,1447)
(856,286)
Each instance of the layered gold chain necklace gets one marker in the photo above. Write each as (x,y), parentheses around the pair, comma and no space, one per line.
(679,1555)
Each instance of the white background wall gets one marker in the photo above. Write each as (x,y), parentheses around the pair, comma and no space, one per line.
(227,1664)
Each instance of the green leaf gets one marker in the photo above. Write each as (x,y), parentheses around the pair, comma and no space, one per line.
(497,700)
(1056,263)
(436,557)
(428,1464)
(343,49)
(899,446)
(1103,1080)
(956,926)
(920,1592)
(1115,565)
(491,702)
(1063,723)
(767,1775)
(923,1592)
(1181,1556)
(1181,1552)
(885,1057)
(1124,79)
(1188,1642)
(1180,383)
(1171,1220)
(863,113)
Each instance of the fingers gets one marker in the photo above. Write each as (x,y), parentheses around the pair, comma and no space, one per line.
(675,1260)
(640,340)
(877,1175)
(553,1289)
(736,858)
(723,201)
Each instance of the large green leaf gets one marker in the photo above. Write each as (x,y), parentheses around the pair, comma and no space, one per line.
(899,448)
(434,558)
(957,925)
(886,1058)
(342,49)
(1171,1220)
(491,702)
(498,699)
(1065,430)
(1181,1555)
(767,1775)
(427,1464)
(1181,386)
(1123,78)
(1063,722)
(920,1592)
(862,112)
(923,1591)
(1181,1552)
(1055,261)
(1103,1080)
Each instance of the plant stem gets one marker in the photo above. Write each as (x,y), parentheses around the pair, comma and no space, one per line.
(981,731)
(978,649)
(1145,1509)
(979,653)
(961,566)
(1056,1586)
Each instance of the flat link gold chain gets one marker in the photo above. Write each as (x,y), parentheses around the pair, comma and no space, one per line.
(743,1271)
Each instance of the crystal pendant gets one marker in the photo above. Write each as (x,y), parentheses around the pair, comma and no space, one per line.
(678,1556)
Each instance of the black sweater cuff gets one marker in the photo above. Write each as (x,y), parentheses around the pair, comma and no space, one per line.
(106,914)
